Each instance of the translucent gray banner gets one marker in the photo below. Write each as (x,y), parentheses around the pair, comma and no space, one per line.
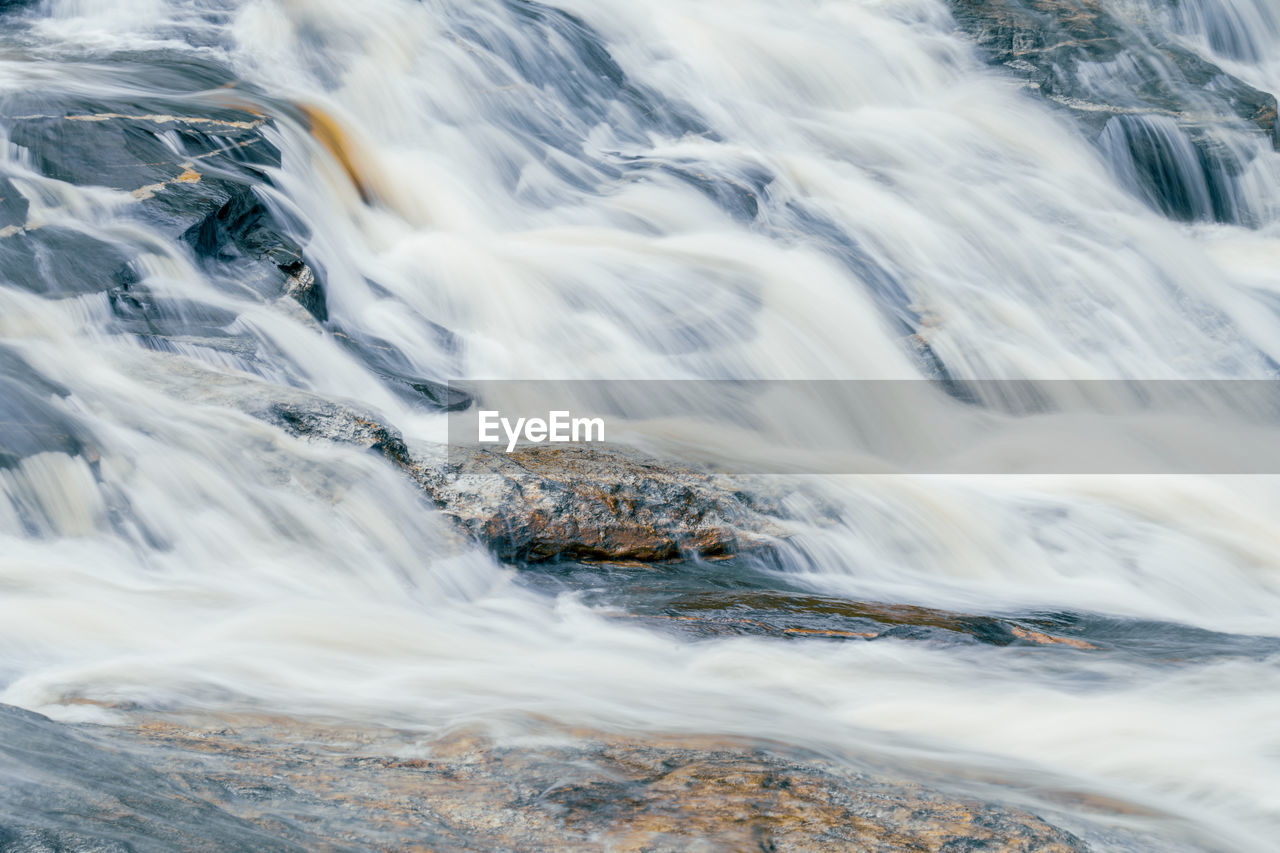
(888,426)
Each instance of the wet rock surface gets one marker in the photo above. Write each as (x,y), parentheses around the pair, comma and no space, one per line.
(538,504)
(190,161)
(32,417)
(1156,108)
(266,783)
(789,614)
(764,594)
(193,161)
(63,788)
(13,207)
(543,503)
(1051,43)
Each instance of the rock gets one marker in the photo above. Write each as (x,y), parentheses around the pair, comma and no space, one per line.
(199,174)
(400,375)
(31,424)
(1057,47)
(584,502)
(287,784)
(797,615)
(242,229)
(195,163)
(545,503)
(316,417)
(303,287)
(60,261)
(13,208)
(660,797)
(541,503)
(544,49)
(32,421)
(299,412)
(1052,43)
(62,788)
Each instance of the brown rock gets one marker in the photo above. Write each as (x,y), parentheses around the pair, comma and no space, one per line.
(789,614)
(584,502)
(369,788)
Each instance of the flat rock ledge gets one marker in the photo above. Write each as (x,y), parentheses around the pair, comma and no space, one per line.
(251,783)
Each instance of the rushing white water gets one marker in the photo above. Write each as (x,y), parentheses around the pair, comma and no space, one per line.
(779,190)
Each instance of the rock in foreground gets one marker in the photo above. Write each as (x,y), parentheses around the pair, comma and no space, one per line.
(258,783)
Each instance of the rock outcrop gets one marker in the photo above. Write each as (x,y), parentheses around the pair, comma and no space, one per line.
(194,160)
(32,419)
(1148,101)
(583,502)
(259,783)
(1051,43)
(538,504)
(191,162)
(69,788)
(787,614)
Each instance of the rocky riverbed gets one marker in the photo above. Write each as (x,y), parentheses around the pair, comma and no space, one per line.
(255,782)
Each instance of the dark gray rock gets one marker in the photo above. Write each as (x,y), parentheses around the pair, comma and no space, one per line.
(369,788)
(32,418)
(59,261)
(13,206)
(326,420)
(30,423)
(1117,80)
(1050,43)
(195,167)
(62,789)
(400,375)
(303,287)
(807,616)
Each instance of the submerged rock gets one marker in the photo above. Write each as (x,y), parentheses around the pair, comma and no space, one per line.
(64,789)
(244,782)
(198,173)
(13,208)
(399,374)
(190,150)
(32,421)
(789,614)
(60,261)
(303,287)
(1156,109)
(1052,43)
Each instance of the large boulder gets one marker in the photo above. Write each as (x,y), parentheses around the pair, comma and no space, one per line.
(585,502)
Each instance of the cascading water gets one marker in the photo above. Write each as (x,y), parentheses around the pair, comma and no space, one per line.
(508,189)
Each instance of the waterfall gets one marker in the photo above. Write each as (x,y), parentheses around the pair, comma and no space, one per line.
(212,210)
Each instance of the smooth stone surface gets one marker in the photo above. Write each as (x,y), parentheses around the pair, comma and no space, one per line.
(232,782)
